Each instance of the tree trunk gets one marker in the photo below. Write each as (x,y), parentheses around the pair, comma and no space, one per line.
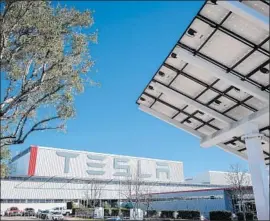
(243,207)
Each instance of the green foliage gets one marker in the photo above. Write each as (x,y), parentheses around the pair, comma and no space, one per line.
(188,214)
(83,212)
(115,212)
(128,205)
(220,215)
(4,158)
(125,212)
(45,62)
(107,212)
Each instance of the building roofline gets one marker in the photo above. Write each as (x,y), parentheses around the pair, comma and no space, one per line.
(200,190)
(25,178)
(89,152)
(21,154)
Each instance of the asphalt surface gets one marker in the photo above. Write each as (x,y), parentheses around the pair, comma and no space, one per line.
(31,218)
(17,218)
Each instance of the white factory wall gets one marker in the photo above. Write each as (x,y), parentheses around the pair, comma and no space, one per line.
(49,163)
(200,178)
(217,177)
(58,184)
(11,189)
(221,178)
(213,178)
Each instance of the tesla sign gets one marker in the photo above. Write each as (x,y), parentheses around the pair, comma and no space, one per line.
(96,163)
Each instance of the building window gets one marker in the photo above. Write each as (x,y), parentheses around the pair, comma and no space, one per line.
(58,201)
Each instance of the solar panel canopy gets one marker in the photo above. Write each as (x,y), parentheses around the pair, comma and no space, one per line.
(216,78)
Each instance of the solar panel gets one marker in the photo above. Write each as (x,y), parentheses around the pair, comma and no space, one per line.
(216,76)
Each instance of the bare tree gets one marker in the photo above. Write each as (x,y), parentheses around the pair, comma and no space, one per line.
(147,199)
(133,191)
(93,192)
(137,192)
(239,180)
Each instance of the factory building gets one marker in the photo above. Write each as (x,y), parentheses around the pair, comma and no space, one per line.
(43,177)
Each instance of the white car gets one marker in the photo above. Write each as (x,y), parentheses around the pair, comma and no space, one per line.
(203,218)
(2,213)
(54,216)
(62,210)
(38,213)
(114,219)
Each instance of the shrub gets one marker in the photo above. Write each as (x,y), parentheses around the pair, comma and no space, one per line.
(107,212)
(115,212)
(240,216)
(220,215)
(84,212)
(188,214)
(167,214)
(125,212)
(151,213)
(249,216)
(73,211)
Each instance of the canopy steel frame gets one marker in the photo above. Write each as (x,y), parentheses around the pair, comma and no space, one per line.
(246,12)
(257,91)
(185,128)
(257,169)
(232,129)
(218,64)
(232,34)
(208,87)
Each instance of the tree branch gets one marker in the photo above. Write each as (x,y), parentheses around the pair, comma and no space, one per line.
(35,105)
(25,74)
(7,92)
(25,93)
(35,128)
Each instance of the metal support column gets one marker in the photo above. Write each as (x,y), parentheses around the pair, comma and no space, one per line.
(257,169)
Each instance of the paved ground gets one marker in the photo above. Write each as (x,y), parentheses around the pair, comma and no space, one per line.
(17,218)
(34,218)
(30,218)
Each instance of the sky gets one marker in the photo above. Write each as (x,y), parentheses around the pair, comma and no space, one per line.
(134,39)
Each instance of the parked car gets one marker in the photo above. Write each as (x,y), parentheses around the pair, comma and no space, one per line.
(44,214)
(2,213)
(203,218)
(114,219)
(28,212)
(234,217)
(13,211)
(38,213)
(62,210)
(54,216)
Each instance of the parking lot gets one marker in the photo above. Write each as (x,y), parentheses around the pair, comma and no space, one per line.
(31,218)
(17,218)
